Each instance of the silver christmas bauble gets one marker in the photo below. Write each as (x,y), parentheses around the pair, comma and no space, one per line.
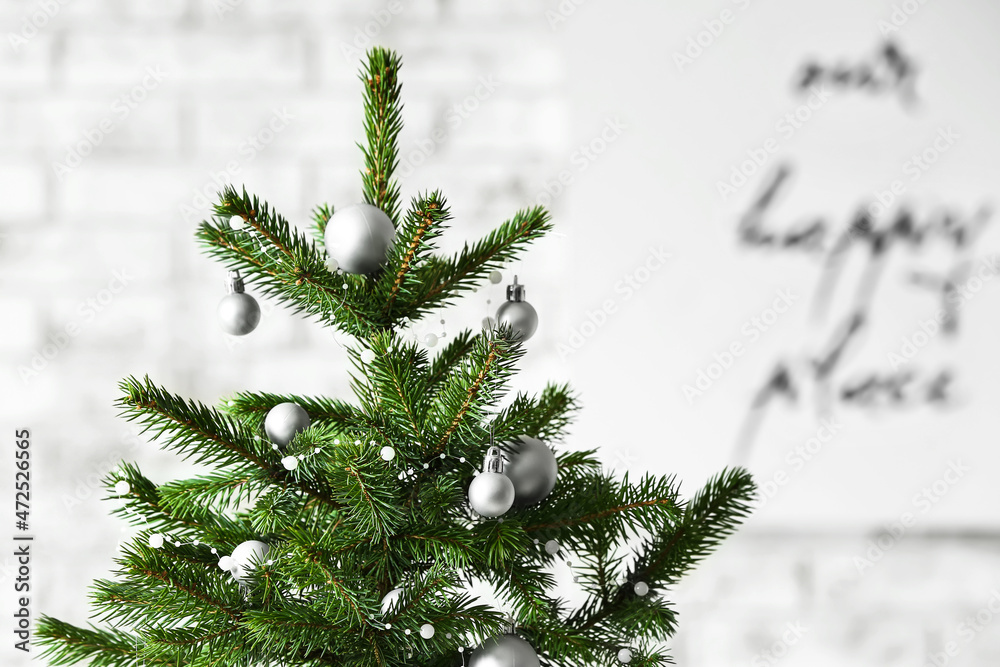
(246,556)
(532,468)
(390,600)
(517,313)
(491,494)
(358,237)
(283,421)
(239,313)
(504,651)
(519,316)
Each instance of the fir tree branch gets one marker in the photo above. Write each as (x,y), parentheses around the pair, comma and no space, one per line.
(66,644)
(474,386)
(424,223)
(144,507)
(285,264)
(440,281)
(321,216)
(195,431)
(382,126)
(397,375)
(367,491)
(556,408)
(708,518)
(450,356)
(219,490)
(252,408)
(713,514)
(596,498)
(199,432)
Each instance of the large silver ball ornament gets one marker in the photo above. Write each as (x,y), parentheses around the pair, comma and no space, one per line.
(238,312)
(532,468)
(391,600)
(517,313)
(491,493)
(358,237)
(520,316)
(283,421)
(504,651)
(245,557)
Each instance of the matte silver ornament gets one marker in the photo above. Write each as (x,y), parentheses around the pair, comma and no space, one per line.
(358,237)
(504,651)
(238,312)
(517,313)
(245,557)
(283,421)
(532,468)
(491,493)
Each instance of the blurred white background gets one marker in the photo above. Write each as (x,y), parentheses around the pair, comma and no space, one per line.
(118,119)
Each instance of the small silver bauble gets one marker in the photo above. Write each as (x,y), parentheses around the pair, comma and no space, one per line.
(625,656)
(238,312)
(283,421)
(358,237)
(390,600)
(245,557)
(491,493)
(504,651)
(517,313)
(532,468)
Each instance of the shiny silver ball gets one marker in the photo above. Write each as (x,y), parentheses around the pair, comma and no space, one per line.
(504,651)
(358,237)
(625,656)
(519,316)
(239,313)
(491,494)
(532,468)
(245,557)
(283,421)
(391,600)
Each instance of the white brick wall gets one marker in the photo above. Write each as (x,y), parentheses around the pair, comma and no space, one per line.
(227,66)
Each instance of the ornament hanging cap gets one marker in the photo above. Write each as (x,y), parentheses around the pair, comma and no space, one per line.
(493,461)
(234,283)
(515,292)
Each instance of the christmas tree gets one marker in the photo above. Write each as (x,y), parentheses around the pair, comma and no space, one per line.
(331,532)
